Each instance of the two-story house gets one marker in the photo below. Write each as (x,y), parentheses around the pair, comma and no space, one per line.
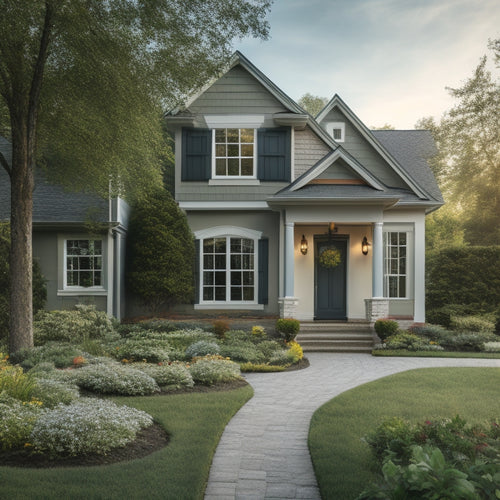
(312,218)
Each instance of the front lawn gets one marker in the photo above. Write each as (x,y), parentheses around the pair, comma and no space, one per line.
(343,462)
(194,422)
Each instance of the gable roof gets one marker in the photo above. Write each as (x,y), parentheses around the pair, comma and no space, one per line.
(337,102)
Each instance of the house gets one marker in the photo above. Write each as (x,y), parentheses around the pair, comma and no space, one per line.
(311,218)
(79,242)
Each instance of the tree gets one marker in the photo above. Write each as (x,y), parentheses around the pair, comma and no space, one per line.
(82,86)
(385,126)
(313,104)
(160,252)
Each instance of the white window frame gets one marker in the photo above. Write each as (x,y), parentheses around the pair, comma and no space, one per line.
(78,288)
(239,157)
(229,232)
(387,260)
(331,126)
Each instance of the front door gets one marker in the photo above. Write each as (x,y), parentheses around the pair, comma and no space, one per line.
(330,278)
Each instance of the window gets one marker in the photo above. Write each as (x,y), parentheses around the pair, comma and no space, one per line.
(395,264)
(228,269)
(83,263)
(234,152)
(336,130)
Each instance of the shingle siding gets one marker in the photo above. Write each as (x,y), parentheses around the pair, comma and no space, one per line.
(237,92)
(308,150)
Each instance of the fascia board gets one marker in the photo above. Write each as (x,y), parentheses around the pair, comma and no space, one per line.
(223,205)
(386,202)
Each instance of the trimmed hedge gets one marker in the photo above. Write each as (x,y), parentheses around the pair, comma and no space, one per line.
(464,275)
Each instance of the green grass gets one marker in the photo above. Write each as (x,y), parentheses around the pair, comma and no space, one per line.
(435,354)
(195,423)
(343,462)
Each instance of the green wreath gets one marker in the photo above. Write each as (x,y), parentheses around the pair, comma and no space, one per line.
(330,258)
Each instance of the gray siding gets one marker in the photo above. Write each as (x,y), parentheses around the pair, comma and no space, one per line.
(201,191)
(339,170)
(361,149)
(237,92)
(267,222)
(308,150)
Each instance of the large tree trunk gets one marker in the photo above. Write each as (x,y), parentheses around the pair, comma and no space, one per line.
(21,267)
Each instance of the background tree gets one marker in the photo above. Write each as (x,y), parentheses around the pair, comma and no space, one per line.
(160,252)
(82,86)
(313,104)
(468,165)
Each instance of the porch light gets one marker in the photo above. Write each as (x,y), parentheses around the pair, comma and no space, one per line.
(303,245)
(364,246)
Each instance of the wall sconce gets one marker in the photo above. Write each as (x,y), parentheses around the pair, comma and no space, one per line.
(303,245)
(364,246)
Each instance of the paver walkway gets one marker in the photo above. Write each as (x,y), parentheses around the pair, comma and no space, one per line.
(263,451)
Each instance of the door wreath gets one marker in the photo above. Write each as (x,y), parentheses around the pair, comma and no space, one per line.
(330,257)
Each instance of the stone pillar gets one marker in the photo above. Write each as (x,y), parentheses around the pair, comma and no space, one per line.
(378,262)
(376,308)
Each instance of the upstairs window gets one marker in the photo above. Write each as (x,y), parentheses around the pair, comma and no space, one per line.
(83,263)
(395,264)
(336,130)
(234,152)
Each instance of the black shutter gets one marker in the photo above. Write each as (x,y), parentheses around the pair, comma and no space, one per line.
(274,154)
(196,154)
(196,271)
(263,271)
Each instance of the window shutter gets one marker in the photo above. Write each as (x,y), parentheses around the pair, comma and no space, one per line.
(263,294)
(274,154)
(196,154)
(196,273)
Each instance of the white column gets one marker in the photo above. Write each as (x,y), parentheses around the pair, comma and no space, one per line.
(419,274)
(289,259)
(378,261)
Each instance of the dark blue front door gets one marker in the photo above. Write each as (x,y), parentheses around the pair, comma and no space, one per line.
(330,299)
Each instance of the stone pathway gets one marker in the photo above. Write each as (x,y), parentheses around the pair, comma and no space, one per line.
(263,452)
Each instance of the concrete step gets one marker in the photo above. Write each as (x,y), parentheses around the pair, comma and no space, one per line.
(330,348)
(354,327)
(335,336)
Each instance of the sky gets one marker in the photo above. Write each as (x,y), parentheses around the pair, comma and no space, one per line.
(389,60)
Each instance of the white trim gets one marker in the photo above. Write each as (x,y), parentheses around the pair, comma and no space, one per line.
(239,157)
(233,181)
(331,126)
(234,121)
(83,292)
(224,205)
(233,305)
(216,231)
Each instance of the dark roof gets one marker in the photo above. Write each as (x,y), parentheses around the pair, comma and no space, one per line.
(412,149)
(52,203)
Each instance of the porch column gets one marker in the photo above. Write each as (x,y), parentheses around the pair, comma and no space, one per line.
(378,261)
(289,259)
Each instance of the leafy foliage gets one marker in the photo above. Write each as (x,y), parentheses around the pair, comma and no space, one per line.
(211,370)
(169,376)
(160,252)
(312,104)
(288,328)
(202,348)
(465,275)
(385,328)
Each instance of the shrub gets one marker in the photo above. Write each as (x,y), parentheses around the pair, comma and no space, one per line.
(492,346)
(268,348)
(51,392)
(211,370)
(179,339)
(241,350)
(474,324)
(85,322)
(220,327)
(403,340)
(16,421)
(385,328)
(280,358)
(14,382)
(61,354)
(146,350)
(288,328)
(169,376)
(439,317)
(465,275)
(294,352)
(251,367)
(238,336)
(160,278)
(113,378)
(465,341)
(87,426)
(202,348)
(432,332)
(258,332)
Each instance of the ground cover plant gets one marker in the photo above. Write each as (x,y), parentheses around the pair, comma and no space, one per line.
(342,459)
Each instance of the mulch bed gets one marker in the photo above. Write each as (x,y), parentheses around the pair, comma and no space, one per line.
(148,440)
